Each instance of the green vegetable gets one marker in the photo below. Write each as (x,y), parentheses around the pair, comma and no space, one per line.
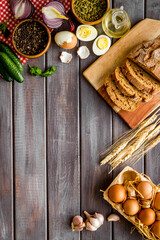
(4,73)
(4,29)
(11,68)
(6,49)
(36,71)
(90,10)
(49,71)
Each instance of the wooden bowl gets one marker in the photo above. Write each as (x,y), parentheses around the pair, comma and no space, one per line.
(39,54)
(85,22)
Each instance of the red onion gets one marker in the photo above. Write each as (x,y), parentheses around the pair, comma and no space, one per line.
(21,9)
(54,15)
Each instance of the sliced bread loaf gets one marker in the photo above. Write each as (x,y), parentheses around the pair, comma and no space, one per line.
(123,102)
(147,56)
(139,78)
(128,89)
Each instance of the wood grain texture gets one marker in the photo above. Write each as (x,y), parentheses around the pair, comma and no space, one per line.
(96,134)
(63,145)
(152,165)
(122,231)
(6,162)
(30,156)
(60,127)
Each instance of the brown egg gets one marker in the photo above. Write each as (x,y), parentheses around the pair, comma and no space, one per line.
(145,188)
(157,201)
(66,39)
(117,193)
(131,207)
(156,228)
(147,216)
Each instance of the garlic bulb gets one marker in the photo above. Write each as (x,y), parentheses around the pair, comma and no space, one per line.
(93,222)
(113,218)
(77,223)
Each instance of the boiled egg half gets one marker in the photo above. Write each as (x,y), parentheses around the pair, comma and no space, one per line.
(86,33)
(101,45)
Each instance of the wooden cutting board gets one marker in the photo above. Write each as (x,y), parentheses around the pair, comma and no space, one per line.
(147,29)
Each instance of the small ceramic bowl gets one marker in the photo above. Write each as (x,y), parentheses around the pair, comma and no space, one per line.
(85,22)
(45,49)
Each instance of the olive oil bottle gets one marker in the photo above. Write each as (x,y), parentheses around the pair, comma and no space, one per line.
(116,22)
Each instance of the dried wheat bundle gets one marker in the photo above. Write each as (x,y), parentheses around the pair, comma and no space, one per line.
(134,142)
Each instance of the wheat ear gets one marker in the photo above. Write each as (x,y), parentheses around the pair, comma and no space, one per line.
(124,142)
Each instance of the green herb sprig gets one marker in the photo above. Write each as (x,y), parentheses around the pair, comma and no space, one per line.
(36,71)
(4,29)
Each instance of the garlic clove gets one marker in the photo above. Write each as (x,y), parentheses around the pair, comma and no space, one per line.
(95,222)
(113,218)
(99,217)
(77,223)
(89,226)
(77,220)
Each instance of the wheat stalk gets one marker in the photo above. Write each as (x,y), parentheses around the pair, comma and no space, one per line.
(121,144)
(134,145)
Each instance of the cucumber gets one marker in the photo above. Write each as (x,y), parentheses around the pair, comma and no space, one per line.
(6,49)
(4,73)
(11,68)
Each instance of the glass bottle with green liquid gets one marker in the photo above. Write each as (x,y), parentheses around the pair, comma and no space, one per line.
(116,22)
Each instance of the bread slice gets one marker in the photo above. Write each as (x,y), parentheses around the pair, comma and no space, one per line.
(147,56)
(122,101)
(139,78)
(127,89)
(122,83)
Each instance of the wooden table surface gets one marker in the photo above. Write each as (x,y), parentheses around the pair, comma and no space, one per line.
(51,134)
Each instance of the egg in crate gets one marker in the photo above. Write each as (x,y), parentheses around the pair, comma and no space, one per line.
(66,39)
(147,216)
(131,207)
(157,201)
(86,33)
(117,193)
(156,228)
(145,189)
(101,45)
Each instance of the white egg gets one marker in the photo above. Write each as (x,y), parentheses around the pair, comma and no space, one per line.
(86,33)
(101,45)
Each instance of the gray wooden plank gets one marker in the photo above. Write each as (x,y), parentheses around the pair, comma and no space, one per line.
(96,134)
(6,162)
(122,230)
(152,166)
(30,156)
(63,144)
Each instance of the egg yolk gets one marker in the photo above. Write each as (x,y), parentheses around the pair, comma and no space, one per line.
(84,32)
(102,43)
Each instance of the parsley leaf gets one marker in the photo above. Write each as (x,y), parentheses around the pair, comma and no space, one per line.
(35,71)
(49,71)
(4,29)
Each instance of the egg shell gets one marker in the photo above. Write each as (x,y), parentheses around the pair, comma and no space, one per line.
(66,39)
(131,207)
(145,188)
(147,216)
(156,228)
(117,193)
(157,201)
